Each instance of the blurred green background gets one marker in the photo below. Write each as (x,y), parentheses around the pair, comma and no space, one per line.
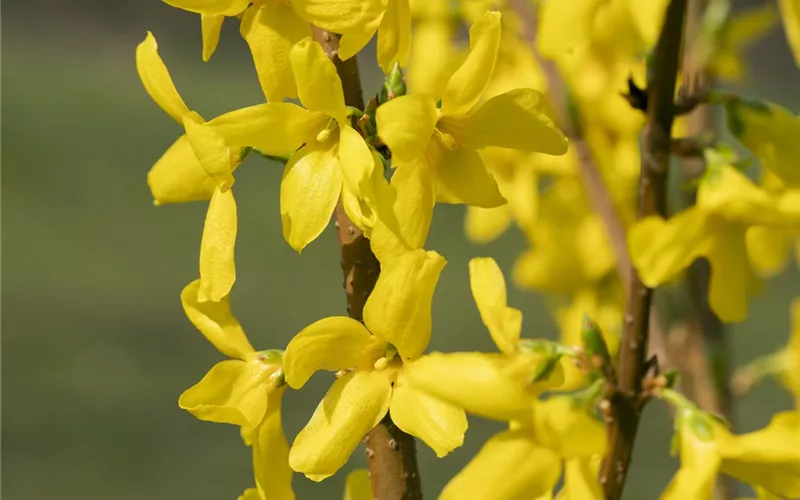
(96,348)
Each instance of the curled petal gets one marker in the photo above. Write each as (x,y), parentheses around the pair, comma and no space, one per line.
(212,152)
(489,291)
(510,466)
(354,404)
(179,177)
(438,423)
(156,79)
(357,164)
(352,43)
(399,309)
(406,125)
(468,83)
(217,268)
(211,27)
(318,84)
(335,343)
(216,322)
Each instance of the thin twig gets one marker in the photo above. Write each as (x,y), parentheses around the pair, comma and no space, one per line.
(626,398)
(391,453)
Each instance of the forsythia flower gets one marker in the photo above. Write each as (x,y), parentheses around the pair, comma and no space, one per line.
(245,391)
(372,359)
(198,166)
(768,458)
(442,142)
(728,204)
(497,386)
(394,36)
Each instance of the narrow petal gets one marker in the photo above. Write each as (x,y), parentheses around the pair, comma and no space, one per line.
(480,383)
(489,291)
(700,461)
(352,43)
(394,35)
(439,424)
(178,177)
(354,404)
(358,486)
(216,322)
(510,466)
(513,120)
(462,178)
(399,309)
(271,30)
(310,188)
(468,83)
(275,128)
(210,7)
(211,27)
(406,125)
(732,277)
(335,343)
(156,79)
(661,249)
(217,268)
(232,392)
(565,426)
(341,16)
(357,163)
(318,84)
(271,454)
(212,152)
(790,15)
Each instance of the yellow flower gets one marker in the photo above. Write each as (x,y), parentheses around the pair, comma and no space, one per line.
(198,166)
(770,132)
(526,461)
(768,459)
(394,36)
(497,386)
(245,390)
(372,360)
(728,204)
(443,142)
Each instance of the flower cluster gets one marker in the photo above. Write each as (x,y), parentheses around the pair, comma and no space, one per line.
(474,129)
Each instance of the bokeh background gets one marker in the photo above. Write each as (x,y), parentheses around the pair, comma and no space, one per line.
(95,346)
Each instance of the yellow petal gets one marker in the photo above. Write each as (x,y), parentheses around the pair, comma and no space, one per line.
(700,461)
(489,291)
(399,309)
(732,278)
(462,178)
(178,177)
(468,83)
(406,125)
(480,383)
(661,249)
(510,466)
(212,152)
(405,212)
(271,454)
(357,163)
(250,494)
(790,15)
(354,404)
(432,59)
(318,83)
(439,424)
(210,7)
(275,128)
(232,392)
(335,343)
(566,427)
(341,16)
(217,268)
(580,479)
(358,486)
(394,35)
(310,188)
(216,322)
(513,120)
(484,225)
(211,27)
(271,30)
(156,79)
(363,214)
(769,458)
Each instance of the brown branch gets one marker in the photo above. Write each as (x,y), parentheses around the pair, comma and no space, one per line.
(391,453)
(626,398)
